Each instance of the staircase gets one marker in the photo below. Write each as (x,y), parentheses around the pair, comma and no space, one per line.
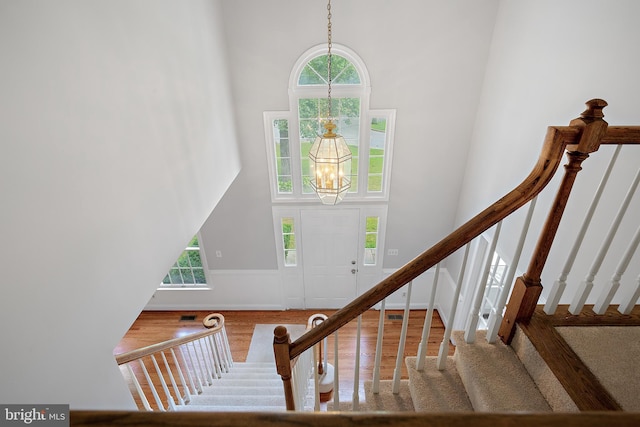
(247,387)
(479,377)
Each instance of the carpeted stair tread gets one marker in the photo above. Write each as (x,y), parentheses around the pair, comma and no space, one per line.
(345,407)
(385,400)
(244,382)
(240,369)
(236,390)
(229,408)
(252,400)
(494,377)
(437,391)
(547,383)
(241,375)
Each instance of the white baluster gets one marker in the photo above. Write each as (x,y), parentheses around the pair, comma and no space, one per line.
(173,380)
(444,346)
(627,306)
(197,367)
(170,402)
(136,383)
(316,380)
(376,366)
(397,372)
(426,328)
(559,285)
(302,371)
(185,387)
(224,355)
(204,359)
(211,356)
(336,376)
(587,284)
(227,349)
(214,355)
(607,295)
(195,387)
(495,317)
(153,388)
(480,290)
(325,349)
(356,374)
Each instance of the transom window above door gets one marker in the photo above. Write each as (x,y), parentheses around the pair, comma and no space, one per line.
(290,134)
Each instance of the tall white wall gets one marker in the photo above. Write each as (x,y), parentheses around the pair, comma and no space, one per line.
(547,58)
(117,140)
(426,59)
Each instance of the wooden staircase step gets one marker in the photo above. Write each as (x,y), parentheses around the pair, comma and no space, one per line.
(494,377)
(248,401)
(437,391)
(387,401)
(244,382)
(236,390)
(240,375)
(229,408)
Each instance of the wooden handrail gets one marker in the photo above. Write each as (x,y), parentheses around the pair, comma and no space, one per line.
(622,135)
(344,419)
(214,322)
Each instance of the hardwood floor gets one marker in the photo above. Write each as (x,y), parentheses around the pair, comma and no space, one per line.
(156,326)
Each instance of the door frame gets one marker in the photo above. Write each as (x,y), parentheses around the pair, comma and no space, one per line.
(292,276)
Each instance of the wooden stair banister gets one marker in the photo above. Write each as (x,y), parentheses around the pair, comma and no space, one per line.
(177,380)
(583,136)
(214,322)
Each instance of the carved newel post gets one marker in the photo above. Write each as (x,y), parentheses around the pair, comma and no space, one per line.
(527,288)
(281,342)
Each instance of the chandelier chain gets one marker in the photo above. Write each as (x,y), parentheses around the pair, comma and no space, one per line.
(329,57)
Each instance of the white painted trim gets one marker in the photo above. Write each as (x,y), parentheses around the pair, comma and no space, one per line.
(229,290)
(338,49)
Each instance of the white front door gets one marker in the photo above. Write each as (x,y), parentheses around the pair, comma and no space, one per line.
(330,254)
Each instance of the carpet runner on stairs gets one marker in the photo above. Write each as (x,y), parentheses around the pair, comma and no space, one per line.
(494,377)
(437,391)
(251,386)
(480,377)
(247,387)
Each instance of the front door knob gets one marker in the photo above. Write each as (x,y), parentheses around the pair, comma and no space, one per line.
(353,271)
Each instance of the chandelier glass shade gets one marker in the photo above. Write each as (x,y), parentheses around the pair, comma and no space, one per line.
(330,163)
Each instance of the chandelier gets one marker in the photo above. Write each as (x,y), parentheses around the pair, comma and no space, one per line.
(330,157)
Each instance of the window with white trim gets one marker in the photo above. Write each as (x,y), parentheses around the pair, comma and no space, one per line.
(493,287)
(188,270)
(368,133)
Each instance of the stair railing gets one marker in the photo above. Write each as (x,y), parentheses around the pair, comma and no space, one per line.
(189,363)
(582,137)
(588,286)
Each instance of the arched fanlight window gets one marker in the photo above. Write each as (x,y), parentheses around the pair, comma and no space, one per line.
(290,134)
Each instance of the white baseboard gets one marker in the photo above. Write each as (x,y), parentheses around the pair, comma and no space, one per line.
(228,290)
